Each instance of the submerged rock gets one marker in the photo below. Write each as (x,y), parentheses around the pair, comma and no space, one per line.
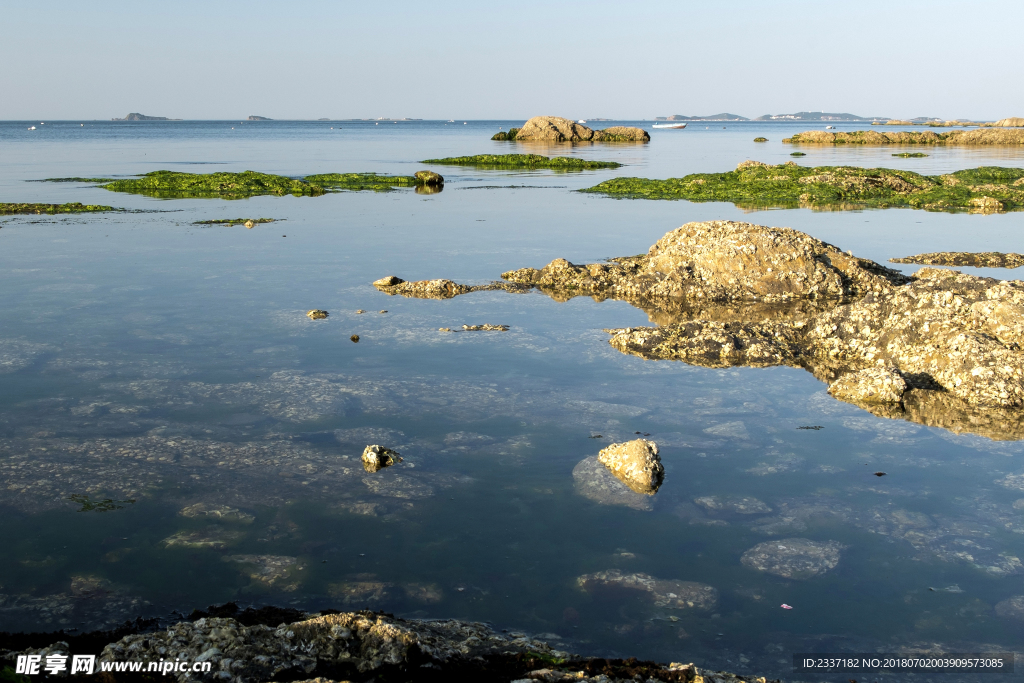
(793,558)
(221,512)
(636,463)
(741,505)
(271,571)
(214,537)
(871,385)
(596,482)
(985,259)
(486,327)
(1011,608)
(378,457)
(668,593)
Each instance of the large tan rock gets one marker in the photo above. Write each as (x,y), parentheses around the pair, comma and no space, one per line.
(553,129)
(1012,122)
(636,463)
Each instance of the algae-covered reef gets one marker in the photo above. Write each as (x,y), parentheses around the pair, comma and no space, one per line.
(261,645)
(557,129)
(356,182)
(236,221)
(939,348)
(985,136)
(524,161)
(74,180)
(754,185)
(172,184)
(10,208)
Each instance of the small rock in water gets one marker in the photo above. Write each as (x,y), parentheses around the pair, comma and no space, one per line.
(813,427)
(742,505)
(388,281)
(249,224)
(378,457)
(760,139)
(879,474)
(669,593)
(636,463)
(382,311)
(360,311)
(355,338)
(429,178)
(444,329)
(485,328)
(793,558)
(797,154)
(317,314)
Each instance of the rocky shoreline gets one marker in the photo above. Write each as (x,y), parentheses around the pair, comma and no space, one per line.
(939,347)
(251,646)
(984,136)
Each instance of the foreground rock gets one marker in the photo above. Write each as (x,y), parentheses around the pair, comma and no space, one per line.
(557,129)
(985,259)
(376,646)
(793,558)
(595,481)
(438,289)
(376,458)
(668,593)
(636,463)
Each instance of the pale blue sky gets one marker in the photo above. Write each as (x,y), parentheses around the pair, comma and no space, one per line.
(438,59)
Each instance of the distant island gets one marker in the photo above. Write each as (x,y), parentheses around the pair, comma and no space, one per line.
(710,117)
(819,116)
(135,116)
(258,118)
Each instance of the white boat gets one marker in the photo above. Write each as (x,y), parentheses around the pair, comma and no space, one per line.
(669,125)
(582,121)
(829,127)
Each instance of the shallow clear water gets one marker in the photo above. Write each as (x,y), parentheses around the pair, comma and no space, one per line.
(146,358)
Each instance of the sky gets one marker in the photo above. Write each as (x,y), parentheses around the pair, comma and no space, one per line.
(476,60)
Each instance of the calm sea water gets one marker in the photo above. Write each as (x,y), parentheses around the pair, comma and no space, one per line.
(146,358)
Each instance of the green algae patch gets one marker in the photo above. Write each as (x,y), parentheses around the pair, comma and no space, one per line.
(236,221)
(755,185)
(8,208)
(797,154)
(910,155)
(175,185)
(524,161)
(506,136)
(357,182)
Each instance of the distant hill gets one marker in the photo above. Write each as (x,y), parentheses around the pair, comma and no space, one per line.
(258,118)
(819,116)
(711,117)
(135,116)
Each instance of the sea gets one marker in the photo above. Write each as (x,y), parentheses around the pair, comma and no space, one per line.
(175,432)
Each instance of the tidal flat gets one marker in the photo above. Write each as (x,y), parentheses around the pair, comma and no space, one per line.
(756,184)
(146,359)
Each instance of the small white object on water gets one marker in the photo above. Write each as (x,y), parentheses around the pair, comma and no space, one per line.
(785,606)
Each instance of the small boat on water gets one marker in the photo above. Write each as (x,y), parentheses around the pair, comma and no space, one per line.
(669,125)
(582,121)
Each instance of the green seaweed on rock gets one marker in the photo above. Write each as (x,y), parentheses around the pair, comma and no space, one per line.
(910,155)
(74,180)
(756,185)
(506,137)
(356,182)
(9,208)
(524,161)
(223,185)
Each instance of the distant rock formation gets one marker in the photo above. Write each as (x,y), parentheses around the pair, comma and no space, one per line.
(710,117)
(1013,122)
(258,118)
(984,136)
(557,129)
(135,116)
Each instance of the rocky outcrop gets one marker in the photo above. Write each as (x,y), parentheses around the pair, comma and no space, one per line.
(793,558)
(439,289)
(429,178)
(1012,122)
(557,129)
(982,136)
(636,463)
(366,645)
(984,259)
(376,458)
(722,261)
(667,593)
(940,347)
